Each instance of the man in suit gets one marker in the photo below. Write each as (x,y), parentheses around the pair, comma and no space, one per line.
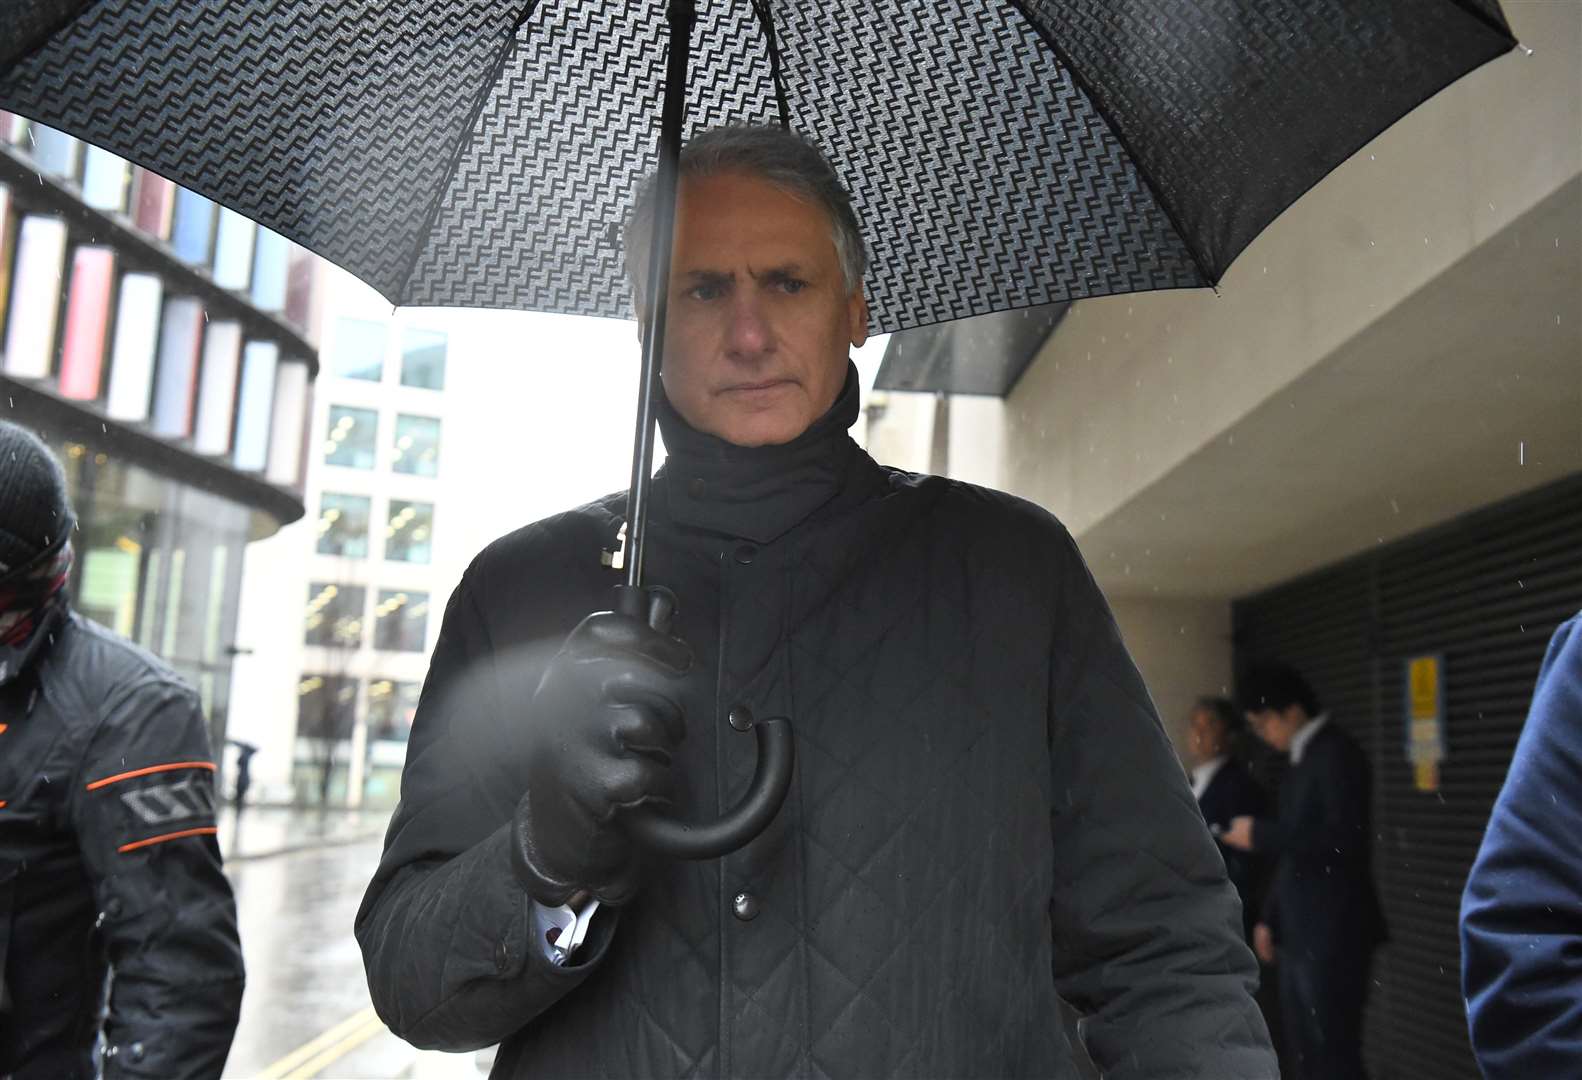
(1322,920)
(1225,790)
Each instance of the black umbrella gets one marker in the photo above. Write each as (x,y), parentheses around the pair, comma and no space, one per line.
(1000,154)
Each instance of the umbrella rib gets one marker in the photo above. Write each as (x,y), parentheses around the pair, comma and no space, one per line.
(1109,121)
(493,80)
(766,24)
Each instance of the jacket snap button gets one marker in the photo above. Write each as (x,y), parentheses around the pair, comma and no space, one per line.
(114,907)
(745,906)
(741,717)
(696,487)
(502,958)
(137,1052)
(745,554)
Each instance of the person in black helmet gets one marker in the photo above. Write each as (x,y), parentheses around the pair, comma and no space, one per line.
(108,858)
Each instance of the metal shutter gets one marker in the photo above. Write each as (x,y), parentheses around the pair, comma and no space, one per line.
(1486,591)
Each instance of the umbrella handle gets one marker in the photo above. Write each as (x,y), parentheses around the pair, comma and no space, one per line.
(680,840)
(765,795)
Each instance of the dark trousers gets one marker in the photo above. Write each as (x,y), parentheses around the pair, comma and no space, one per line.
(1322,994)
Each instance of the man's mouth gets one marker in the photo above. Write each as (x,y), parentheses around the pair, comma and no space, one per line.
(757,387)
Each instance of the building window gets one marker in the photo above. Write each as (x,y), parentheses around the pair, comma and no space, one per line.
(352,437)
(409,531)
(359,350)
(334,615)
(400,620)
(416,445)
(326,707)
(423,359)
(391,707)
(343,525)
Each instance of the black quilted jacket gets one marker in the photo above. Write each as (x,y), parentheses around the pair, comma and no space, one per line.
(985,815)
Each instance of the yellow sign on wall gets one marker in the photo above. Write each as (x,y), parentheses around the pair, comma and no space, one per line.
(1425,726)
(1423,681)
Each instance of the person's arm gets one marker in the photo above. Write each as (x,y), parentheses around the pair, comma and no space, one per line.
(1147,939)
(447,929)
(143,813)
(1521,913)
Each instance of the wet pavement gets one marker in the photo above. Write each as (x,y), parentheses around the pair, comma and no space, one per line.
(306,1012)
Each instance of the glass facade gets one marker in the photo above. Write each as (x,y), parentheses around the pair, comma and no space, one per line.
(401,620)
(334,617)
(159,561)
(359,350)
(416,445)
(423,359)
(409,532)
(352,438)
(343,525)
(326,718)
(391,708)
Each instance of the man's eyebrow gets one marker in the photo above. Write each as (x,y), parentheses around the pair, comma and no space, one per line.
(777,273)
(708,275)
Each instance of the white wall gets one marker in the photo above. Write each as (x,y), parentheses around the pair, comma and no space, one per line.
(1182,648)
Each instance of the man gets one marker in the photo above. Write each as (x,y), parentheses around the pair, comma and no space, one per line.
(1225,790)
(1322,920)
(985,812)
(108,860)
(1521,914)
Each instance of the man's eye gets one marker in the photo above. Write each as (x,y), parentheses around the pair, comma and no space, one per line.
(792,285)
(704,292)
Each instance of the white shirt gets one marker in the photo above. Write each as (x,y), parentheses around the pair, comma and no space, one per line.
(1305,735)
(1203,774)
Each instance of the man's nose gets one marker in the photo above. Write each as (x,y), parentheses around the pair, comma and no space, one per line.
(749,335)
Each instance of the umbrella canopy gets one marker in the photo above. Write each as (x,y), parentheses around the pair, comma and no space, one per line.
(1001,153)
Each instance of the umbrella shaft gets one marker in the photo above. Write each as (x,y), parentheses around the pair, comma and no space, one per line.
(680,15)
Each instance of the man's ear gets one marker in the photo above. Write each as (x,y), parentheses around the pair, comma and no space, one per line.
(857,310)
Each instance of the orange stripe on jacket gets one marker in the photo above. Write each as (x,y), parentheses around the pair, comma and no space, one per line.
(206,831)
(97,784)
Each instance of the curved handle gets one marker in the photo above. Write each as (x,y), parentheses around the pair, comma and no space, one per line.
(771,782)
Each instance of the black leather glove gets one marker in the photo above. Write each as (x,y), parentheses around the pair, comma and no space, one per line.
(597,738)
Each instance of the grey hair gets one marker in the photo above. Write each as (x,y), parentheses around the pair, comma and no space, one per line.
(784,159)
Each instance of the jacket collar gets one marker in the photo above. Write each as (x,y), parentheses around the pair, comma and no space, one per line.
(757,493)
(17,658)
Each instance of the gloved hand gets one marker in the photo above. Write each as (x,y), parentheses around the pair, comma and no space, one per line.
(597,738)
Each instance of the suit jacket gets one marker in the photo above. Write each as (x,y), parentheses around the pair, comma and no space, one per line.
(1232,793)
(1322,902)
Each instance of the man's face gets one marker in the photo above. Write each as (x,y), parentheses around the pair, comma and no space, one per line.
(760,323)
(1277,727)
(1205,736)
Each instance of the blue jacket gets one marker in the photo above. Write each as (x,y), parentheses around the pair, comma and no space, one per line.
(1521,914)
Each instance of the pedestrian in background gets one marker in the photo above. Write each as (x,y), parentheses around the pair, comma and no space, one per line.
(1225,790)
(108,858)
(1322,921)
(1521,913)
